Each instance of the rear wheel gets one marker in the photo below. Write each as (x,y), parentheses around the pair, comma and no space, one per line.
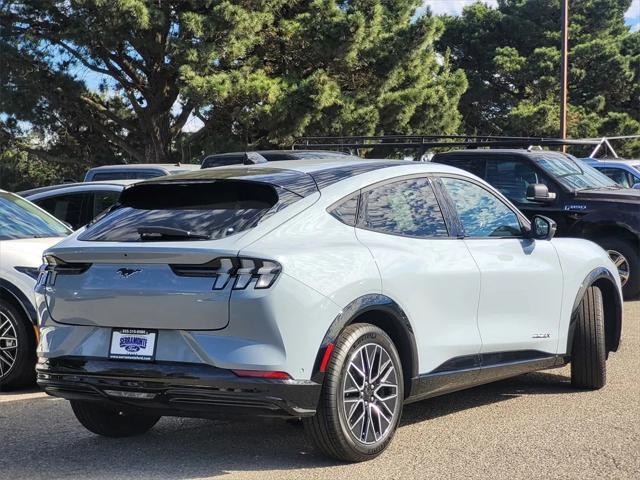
(625,257)
(17,348)
(589,354)
(361,400)
(110,422)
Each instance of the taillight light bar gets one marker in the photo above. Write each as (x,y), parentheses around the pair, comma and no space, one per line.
(239,270)
(53,267)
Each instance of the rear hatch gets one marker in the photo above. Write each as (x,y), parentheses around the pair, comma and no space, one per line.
(162,258)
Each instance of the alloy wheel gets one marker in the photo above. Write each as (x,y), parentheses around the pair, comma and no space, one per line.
(8,345)
(370,394)
(622,264)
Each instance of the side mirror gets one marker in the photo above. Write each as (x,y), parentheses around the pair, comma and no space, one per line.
(636,185)
(539,192)
(543,228)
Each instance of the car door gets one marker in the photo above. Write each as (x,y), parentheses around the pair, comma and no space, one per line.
(521,286)
(429,273)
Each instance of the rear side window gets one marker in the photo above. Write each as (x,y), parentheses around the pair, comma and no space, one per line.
(347,210)
(188,211)
(407,207)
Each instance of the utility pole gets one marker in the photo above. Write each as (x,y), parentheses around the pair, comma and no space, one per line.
(565,70)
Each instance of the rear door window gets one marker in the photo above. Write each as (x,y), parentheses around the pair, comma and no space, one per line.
(191,210)
(407,207)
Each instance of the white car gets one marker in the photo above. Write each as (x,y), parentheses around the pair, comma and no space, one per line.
(330,289)
(25,232)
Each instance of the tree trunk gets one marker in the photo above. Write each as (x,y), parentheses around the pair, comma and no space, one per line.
(158,138)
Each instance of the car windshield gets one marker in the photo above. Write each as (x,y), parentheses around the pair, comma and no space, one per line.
(22,219)
(573,173)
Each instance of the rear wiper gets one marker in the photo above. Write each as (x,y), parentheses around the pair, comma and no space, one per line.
(152,232)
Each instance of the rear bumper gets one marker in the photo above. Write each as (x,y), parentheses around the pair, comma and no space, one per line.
(175,389)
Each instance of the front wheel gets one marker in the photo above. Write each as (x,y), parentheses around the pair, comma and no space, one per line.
(110,422)
(361,400)
(589,352)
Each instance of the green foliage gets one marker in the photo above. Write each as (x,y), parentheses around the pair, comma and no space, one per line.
(257,72)
(511,55)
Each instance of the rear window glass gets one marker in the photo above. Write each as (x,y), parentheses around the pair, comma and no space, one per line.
(125,175)
(188,211)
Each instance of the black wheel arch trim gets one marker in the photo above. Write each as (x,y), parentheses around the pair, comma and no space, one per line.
(16,294)
(613,304)
(358,307)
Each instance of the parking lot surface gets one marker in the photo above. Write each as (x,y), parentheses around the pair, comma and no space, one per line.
(533,426)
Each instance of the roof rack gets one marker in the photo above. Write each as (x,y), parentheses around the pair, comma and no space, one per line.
(421,143)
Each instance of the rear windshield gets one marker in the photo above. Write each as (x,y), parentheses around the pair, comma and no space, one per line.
(188,211)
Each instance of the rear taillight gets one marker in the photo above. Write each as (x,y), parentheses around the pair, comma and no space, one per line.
(239,270)
(53,267)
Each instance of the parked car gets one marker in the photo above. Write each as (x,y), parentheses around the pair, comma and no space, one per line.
(332,291)
(77,203)
(136,171)
(239,158)
(625,173)
(25,232)
(582,201)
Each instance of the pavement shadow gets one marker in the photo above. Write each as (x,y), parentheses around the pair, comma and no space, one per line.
(537,383)
(192,448)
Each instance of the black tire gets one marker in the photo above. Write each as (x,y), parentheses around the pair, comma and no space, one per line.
(589,353)
(110,422)
(630,252)
(329,428)
(22,357)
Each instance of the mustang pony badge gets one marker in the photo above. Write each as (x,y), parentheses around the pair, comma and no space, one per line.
(127,272)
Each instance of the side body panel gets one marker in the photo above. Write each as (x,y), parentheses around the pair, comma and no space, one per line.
(437,283)
(522,290)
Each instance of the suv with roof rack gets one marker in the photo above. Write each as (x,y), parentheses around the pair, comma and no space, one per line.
(582,201)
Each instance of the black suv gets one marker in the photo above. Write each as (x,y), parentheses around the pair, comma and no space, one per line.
(584,202)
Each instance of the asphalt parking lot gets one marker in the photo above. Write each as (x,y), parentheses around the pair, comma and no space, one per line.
(533,426)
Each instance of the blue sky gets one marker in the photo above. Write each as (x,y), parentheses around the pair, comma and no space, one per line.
(454,7)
